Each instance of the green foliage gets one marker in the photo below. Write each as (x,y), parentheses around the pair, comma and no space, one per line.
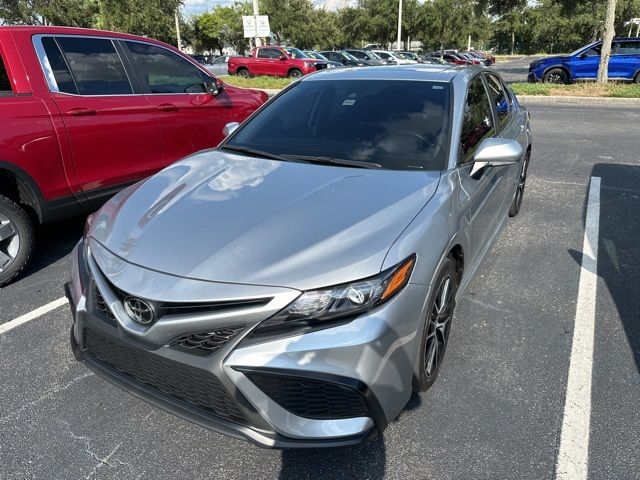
(220,28)
(619,90)
(76,13)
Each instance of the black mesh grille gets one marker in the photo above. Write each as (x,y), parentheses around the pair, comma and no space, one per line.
(321,66)
(191,386)
(311,398)
(207,343)
(101,307)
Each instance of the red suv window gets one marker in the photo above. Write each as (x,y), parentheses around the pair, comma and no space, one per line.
(5,84)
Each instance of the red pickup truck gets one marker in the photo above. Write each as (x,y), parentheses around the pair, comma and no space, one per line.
(85,113)
(275,61)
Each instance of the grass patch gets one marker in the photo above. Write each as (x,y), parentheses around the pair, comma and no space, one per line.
(265,82)
(620,90)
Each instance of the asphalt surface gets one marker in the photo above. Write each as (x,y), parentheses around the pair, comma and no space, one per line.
(496,409)
(514,70)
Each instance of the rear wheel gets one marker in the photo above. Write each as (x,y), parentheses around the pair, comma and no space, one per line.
(514,209)
(243,72)
(16,239)
(637,79)
(295,73)
(556,75)
(438,324)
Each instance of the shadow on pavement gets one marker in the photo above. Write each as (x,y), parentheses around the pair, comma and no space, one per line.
(619,244)
(54,241)
(366,460)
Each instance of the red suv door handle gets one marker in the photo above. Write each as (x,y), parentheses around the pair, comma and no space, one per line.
(81,112)
(167,107)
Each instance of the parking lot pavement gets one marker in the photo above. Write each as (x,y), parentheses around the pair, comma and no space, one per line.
(495,412)
(514,70)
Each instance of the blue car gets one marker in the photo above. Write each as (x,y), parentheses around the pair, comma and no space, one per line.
(583,64)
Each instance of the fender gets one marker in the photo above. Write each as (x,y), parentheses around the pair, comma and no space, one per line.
(47,211)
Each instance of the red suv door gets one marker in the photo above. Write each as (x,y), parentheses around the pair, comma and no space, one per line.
(113,133)
(190,117)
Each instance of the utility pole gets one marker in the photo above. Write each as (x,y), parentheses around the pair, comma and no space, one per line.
(255,14)
(178,29)
(399,24)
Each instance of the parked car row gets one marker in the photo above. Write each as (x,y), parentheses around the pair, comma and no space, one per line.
(86,113)
(582,65)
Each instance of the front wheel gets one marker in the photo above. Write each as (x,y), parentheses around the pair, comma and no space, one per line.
(637,79)
(438,324)
(514,209)
(556,75)
(295,73)
(16,239)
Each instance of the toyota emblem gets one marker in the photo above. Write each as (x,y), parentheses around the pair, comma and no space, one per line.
(139,310)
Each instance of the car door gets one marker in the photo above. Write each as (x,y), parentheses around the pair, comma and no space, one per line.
(625,59)
(585,65)
(262,62)
(190,117)
(112,131)
(480,195)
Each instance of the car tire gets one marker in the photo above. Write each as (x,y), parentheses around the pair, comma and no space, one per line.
(637,79)
(514,209)
(441,305)
(17,237)
(295,73)
(556,75)
(243,72)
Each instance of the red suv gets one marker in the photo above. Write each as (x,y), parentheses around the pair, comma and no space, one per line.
(85,113)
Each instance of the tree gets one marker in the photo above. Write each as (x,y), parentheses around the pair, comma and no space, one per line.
(448,23)
(605,52)
(220,28)
(151,18)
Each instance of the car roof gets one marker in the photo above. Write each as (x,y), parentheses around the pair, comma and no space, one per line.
(54,30)
(421,72)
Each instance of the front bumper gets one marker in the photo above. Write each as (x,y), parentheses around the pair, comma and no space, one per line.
(370,357)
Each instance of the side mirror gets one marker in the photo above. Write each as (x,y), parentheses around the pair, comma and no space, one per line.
(282,57)
(496,152)
(216,86)
(229,128)
(583,55)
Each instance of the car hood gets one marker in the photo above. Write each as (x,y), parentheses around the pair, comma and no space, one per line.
(224,217)
(554,59)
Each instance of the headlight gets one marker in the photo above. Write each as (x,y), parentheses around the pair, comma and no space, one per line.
(309,64)
(342,300)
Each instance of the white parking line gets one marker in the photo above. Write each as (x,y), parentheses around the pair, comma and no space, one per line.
(573,456)
(32,315)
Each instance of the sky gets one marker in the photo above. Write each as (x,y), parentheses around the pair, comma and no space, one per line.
(193,7)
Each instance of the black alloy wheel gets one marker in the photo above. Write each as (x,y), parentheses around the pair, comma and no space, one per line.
(16,239)
(295,73)
(438,324)
(514,209)
(556,75)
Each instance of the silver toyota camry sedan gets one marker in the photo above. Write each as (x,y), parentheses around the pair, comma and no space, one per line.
(294,286)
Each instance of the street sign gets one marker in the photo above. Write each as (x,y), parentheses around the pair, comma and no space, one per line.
(256,26)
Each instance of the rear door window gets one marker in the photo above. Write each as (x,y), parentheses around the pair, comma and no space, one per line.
(5,84)
(628,48)
(165,72)
(477,123)
(94,65)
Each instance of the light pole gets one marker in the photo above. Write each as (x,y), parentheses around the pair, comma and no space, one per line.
(399,24)
(178,29)
(255,14)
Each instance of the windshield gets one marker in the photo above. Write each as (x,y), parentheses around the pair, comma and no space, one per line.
(349,56)
(373,55)
(398,125)
(295,53)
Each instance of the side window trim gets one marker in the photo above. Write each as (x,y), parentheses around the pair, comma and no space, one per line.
(499,125)
(48,71)
(462,160)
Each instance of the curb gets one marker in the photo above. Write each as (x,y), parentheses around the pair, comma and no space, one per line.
(560,100)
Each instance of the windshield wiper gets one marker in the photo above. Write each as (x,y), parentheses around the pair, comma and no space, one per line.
(333,161)
(254,152)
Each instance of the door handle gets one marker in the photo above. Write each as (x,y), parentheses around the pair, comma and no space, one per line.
(81,112)
(167,107)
